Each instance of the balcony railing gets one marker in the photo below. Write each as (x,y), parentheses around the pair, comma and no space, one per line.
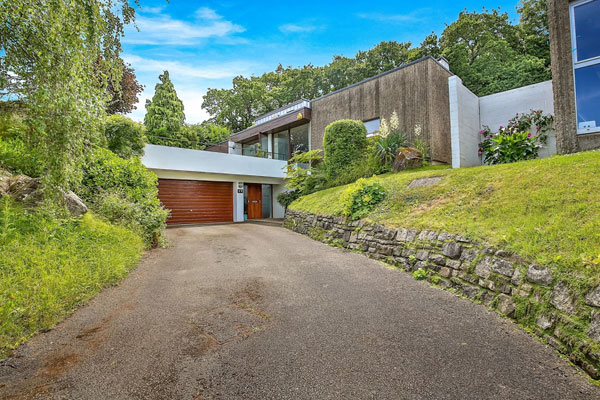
(265,154)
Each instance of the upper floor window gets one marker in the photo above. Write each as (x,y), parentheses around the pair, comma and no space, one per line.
(585,31)
(372,127)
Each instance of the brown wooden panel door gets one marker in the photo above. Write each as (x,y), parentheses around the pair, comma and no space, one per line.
(195,202)
(254,201)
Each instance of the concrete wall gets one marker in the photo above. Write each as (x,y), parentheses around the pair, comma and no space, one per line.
(565,121)
(464,124)
(176,159)
(469,114)
(418,92)
(496,109)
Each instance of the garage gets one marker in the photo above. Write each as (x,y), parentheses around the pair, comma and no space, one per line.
(196,202)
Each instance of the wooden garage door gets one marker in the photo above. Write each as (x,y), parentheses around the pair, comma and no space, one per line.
(194,202)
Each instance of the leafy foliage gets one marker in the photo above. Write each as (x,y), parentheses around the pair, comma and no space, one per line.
(344,143)
(18,158)
(515,142)
(484,48)
(164,113)
(390,139)
(124,99)
(123,191)
(124,137)
(51,266)
(50,61)
(360,197)
(420,274)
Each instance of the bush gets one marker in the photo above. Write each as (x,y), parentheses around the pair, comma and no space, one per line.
(124,137)
(361,197)
(344,143)
(123,191)
(18,158)
(49,266)
(388,146)
(515,142)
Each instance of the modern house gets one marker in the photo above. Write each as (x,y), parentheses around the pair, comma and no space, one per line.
(575,54)
(240,179)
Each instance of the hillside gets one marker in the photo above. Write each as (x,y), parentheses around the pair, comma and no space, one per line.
(547,211)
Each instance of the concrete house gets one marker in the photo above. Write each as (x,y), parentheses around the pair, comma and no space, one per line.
(240,179)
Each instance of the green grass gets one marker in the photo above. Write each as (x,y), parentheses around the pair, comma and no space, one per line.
(48,267)
(547,211)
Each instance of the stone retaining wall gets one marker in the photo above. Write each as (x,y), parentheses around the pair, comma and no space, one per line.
(561,310)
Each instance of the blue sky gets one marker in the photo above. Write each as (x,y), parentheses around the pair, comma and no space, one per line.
(205,44)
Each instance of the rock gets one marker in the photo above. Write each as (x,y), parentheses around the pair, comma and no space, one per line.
(445,271)
(484,267)
(545,321)
(407,158)
(424,182)
(561,298)
(470,291)
(594,330)
(487,297)
(503,267)
(593,297)
(74,204)
(24,189)
(4,182)
(422,255)
(516,279)
(454,264)
(506,305)
(538,275)
(452,250)
(468,255)
(437,259)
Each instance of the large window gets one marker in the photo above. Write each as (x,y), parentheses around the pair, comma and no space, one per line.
(585,31)
(299,139)
(280,146)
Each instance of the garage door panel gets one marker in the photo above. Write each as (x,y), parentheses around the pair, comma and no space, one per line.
(193,202)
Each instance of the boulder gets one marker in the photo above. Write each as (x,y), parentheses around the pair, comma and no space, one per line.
(4,182)
(538,275)
(407,158)
(74,204)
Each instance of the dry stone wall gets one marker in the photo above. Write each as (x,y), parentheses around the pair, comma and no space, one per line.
(558,309)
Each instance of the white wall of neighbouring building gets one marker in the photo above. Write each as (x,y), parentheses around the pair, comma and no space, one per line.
(469,114)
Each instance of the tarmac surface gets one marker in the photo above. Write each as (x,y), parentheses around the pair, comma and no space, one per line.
(251,311)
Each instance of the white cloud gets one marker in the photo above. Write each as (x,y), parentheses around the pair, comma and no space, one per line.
(182,70)
(296,28)
(151,10)
(164,30)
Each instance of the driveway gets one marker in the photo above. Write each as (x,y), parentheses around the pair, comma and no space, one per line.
(249,311)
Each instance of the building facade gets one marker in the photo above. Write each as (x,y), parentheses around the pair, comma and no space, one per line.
(575,54)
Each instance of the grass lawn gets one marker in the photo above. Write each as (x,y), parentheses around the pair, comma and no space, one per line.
(48,267)
(547,211)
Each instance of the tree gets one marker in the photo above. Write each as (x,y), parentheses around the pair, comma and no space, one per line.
(124,137)
(164,113)
(533,27)
(49,61)
(125,98)
(344,143)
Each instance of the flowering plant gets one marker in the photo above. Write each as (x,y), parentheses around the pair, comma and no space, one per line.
(516,142)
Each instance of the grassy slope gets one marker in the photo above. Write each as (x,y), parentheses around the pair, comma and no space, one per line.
(544,210)
(48,267)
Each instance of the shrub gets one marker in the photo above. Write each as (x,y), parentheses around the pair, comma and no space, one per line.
(420,274)
(344,143)
(515,142)
(18,158)
(423,148)
(109,182)
(124,137)
(388,146)
(361,197)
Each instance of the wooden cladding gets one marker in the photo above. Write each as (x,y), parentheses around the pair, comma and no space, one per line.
(196,202)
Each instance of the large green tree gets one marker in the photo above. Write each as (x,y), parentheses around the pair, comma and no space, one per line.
(164,113)
(49,52)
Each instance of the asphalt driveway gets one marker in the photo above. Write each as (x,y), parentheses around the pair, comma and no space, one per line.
(258,312)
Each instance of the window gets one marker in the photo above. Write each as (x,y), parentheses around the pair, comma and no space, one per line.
(372,127)
(299,139)
(280,146)
(585,31)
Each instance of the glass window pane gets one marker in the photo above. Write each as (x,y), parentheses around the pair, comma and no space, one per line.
(280,146)
(587,89)
(299,139)
(372,127)
(266,201)
(587,30)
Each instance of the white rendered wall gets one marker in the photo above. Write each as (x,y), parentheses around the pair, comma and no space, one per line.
(496,109)
(176,159)
(238,202)
(469,114)
(464,124)
(278,209)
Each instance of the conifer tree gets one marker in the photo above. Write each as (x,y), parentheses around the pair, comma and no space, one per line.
(164,113)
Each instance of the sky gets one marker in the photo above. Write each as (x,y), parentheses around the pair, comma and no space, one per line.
(204,44)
